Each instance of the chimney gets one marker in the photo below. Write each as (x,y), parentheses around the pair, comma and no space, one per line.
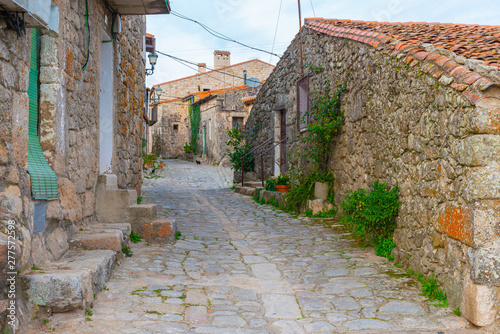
(202,67)
(221,59)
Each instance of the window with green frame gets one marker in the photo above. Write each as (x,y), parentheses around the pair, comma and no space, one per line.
(43,178)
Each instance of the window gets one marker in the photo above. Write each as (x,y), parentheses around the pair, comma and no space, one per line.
(176,127)
(238,122)
(302,102)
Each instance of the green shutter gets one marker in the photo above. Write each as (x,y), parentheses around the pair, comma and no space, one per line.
(43,178)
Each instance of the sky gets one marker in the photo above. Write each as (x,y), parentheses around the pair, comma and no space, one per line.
(255,23)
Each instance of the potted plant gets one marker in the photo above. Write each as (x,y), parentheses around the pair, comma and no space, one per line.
(271,184)
(282,183)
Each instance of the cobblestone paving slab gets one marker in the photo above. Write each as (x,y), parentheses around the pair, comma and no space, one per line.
(244,268)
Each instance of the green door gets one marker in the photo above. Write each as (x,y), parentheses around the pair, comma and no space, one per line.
(43,178)
(205,140)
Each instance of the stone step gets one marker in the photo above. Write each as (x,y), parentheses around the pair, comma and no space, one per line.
(253,184)
(91,239)
(111,205)
(248,191)
(71,282)
(140,214)
(160,231)
(125,228)
(107,182)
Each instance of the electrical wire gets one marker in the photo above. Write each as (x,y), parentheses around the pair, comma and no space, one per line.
(219,35)
(311,1)
(88,35)
(276,30)
(181,61)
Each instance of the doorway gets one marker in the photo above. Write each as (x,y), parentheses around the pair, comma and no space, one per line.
(106,108)
(283,153)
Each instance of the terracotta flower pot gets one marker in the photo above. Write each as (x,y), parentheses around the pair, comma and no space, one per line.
(281,188)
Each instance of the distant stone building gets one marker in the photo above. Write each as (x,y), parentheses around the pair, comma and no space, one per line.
(422,110)
(224,87)
(71,107)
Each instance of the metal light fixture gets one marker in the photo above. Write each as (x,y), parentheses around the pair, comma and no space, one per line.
(156,98)
(153,58)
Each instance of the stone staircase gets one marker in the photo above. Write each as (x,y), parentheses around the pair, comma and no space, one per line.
(249,188)
(71,282)
(115,205)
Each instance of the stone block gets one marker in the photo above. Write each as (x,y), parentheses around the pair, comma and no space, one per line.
(479,304)
(141,214)
(57,243)
(112,205)
(3,155)
(485,265)
(485,118)
(321,190)
(97,264)
(70,203)
(125,228)
(161,231)
(49,75)
(477,150)
(319,205)
(60,291)
(482,183)
(456,223)
(111,240)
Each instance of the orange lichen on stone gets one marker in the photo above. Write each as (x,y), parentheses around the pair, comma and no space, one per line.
(157,229)
(457,224)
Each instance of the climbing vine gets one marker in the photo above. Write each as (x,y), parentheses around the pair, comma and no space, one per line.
(326,118)
(195,118)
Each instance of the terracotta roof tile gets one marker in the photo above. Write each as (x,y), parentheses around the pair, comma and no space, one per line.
(406,41)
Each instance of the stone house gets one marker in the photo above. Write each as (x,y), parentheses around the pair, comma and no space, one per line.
(71,104)
(173,129)
(421,110)
(221,110)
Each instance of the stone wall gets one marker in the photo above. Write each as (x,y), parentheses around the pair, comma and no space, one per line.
(407,122)
(215,80)
(173,141)
(69,125)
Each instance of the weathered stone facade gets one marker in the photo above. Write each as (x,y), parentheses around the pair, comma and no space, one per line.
(220,112)
(408,121)
(69,113)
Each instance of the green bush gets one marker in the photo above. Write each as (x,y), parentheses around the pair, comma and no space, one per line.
(188,148)
(384,247)
(283,180)
(373,213)
(270,184)
(238,150)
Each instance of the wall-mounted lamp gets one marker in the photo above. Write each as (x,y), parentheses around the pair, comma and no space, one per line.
(156,98)
(153,58)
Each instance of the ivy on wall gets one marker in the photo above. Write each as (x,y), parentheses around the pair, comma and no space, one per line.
(195,118)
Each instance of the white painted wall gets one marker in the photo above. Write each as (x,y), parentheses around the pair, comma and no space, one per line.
(106,109)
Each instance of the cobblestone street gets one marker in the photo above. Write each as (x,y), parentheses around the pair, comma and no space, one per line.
(245,268)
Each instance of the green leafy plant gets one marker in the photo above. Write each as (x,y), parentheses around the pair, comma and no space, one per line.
(139,200)
(195,119)
(430,289)
(271,183)
(134,237)
(325,120)
(384,247)
(149,158)
(238,149)
(372,213)
(302,190)
(457,312)
(178,235)
(89,312)
(283,180)
(127,251)
(188,148)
